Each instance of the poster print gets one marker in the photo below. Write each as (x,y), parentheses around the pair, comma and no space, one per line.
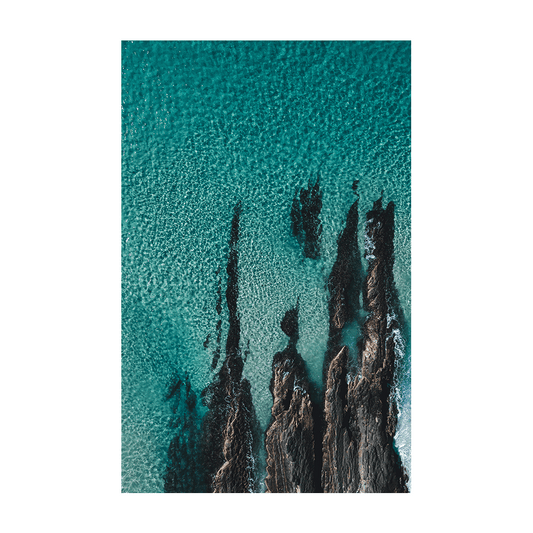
(266,301)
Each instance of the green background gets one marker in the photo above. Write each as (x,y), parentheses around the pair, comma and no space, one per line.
(51,255)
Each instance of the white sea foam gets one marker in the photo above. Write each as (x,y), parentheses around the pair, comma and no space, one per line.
(401,395)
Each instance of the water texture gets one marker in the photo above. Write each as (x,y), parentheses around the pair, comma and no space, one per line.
(208,124)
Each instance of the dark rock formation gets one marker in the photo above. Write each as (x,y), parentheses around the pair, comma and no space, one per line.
(375,412)
(289,438)
(360,413)
(289,326)
(184,471)
(339,444)
(344,283)
(340,454)
(237,471)
(230,425)
(306,225)
(232,289)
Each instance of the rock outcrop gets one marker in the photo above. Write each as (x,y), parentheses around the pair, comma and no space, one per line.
(369,394)
(339,444)
(289,438)
(344,283)
(339,447)
(230,425)
(345,444)
(359,409)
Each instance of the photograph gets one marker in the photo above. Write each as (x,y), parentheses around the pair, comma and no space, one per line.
(266,267)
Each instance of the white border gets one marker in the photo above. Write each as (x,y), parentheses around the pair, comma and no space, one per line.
(112,33)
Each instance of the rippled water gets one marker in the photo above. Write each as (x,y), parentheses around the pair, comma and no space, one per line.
(205,124)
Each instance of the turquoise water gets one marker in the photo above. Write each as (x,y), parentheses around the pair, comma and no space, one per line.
(205,124)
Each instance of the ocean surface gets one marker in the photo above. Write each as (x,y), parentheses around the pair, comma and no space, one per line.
(204,125)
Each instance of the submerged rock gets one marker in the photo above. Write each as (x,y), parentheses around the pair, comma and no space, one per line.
(216,352)
(289,438)
(306,224)
(184,471)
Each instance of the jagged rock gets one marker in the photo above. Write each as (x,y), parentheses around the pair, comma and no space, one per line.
(339,443)
(237,473)
(289,438)
(344,283)
(359,411)
(340,469)
(369,397)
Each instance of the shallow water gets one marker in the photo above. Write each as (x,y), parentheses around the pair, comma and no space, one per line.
(207,124)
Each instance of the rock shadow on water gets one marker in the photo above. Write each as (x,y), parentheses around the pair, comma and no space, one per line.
(184,472)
